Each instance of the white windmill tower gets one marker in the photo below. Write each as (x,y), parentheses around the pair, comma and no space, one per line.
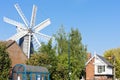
(26,33)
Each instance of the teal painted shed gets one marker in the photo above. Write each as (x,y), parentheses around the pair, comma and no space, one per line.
(29,72)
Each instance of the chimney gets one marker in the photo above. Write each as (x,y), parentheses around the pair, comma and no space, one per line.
(88,56)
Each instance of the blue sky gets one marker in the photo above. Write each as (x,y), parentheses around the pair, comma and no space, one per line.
(97,20)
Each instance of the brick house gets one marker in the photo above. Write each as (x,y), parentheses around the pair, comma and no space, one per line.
(98,68)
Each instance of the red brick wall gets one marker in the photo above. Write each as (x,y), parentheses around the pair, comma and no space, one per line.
(16,54)
(90,70)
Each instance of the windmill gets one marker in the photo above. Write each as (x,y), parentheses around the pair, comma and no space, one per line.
(27,32)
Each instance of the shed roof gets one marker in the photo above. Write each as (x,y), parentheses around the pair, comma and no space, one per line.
(28,68)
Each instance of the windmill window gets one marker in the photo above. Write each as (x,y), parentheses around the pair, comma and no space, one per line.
(101,68)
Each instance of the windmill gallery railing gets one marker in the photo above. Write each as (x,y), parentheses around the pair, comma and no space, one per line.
(28,72)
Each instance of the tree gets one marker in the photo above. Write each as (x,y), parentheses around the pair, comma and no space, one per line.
(78,52)
(62,42)
(114,55)
(46,57)
(5,62)
(55,58)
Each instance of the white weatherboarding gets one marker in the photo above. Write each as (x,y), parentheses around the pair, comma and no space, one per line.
(26,33)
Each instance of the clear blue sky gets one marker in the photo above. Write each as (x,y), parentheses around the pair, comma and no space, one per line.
(97,20)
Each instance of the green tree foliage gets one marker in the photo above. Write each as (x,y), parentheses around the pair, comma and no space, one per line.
(111,55)
(78,54)
(46,57)
(62,42)
(56,58)
(73,41)
(5,62)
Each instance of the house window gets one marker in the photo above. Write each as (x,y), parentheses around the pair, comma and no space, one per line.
(101,69)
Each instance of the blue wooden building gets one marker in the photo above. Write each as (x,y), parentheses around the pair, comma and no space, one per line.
(28,72)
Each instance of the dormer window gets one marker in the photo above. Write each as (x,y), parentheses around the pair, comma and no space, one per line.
(101,68)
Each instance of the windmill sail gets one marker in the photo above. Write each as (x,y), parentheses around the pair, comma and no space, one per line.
(21,14)
(33,16)
(26,33)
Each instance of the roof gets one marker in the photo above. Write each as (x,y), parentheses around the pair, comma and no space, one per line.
(15,53)
(9,43)
(89,60)
(102,58)
(28,68)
